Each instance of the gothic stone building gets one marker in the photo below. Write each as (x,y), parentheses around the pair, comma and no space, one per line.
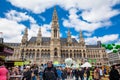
(41,49)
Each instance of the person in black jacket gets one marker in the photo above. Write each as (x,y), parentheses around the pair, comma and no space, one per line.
(77,74)
(50,72)
(81,74)
(64,74)
(114,74)
(27,74)
(86,73)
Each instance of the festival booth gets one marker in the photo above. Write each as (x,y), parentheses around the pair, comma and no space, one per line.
(5,51)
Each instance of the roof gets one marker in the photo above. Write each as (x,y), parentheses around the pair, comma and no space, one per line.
(92,46)
(47,39)
(12,44)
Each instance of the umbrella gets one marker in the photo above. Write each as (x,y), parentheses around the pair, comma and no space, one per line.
(75,66)
(86,64)
(56,63)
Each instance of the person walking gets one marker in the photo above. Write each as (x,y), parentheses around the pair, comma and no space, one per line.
(59,73)
(27,75)
(4,75)
(96,74)
(77,74)
(41,74)
(50,72)
(114,74)
(86,73)
(81,74)
(64,74)
(101,72)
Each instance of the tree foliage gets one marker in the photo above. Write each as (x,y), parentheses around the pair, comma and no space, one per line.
(113,47)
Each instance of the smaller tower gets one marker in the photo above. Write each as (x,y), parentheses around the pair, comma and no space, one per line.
(25,37)
(81,40)
(39,37)
(69,39)
(1,37)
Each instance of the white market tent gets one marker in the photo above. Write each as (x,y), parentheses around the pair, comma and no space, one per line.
(86,64)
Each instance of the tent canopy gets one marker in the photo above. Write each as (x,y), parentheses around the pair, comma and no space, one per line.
(86,64)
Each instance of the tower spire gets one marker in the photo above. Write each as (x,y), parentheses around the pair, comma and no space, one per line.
(39,37)
(25,36)
(55,16)
(55,26)
(69,36)
(81,35)
(81,40)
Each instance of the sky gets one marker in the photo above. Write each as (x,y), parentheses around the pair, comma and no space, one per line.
(99,20)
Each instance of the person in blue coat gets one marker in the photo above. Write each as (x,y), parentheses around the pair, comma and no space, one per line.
(59,72)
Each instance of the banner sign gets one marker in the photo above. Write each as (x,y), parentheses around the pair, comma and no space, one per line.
(92,60)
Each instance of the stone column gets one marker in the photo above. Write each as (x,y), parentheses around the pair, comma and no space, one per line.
(73,54)
(68,53)
(35,56)
(24,53)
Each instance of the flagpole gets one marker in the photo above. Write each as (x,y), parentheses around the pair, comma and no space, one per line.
(1,34)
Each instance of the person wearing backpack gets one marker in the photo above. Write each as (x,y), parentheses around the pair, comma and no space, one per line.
(50,72)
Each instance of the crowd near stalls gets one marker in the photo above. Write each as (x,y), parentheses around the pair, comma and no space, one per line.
(51,71)
(55,71)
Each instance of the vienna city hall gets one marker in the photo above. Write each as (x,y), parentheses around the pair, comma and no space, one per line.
(40,49)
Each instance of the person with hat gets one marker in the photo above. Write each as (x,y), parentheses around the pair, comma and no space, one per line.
(27,75)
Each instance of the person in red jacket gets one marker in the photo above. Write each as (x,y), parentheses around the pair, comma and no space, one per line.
(3,71)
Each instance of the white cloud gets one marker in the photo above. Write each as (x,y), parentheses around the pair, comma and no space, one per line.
(88,34)
(46,30)
(98,12)
(78,24)
(37,6)
(118,42)
(102,14)
(11,30)
(103,39)
(19,16)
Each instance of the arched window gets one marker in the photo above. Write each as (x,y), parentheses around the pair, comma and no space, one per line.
(55,52)
(66,55)
(80,54)
(84,54)
(70,55)
(55,32)
(48,55)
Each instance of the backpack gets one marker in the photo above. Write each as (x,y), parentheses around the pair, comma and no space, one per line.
(85,74)
(50,74)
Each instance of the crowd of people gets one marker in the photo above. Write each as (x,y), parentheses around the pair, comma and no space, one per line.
(35,72)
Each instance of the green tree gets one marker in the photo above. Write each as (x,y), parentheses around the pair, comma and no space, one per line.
(109,47)
(117,47)
(115,51)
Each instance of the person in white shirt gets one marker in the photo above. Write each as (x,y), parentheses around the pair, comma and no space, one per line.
(101,72)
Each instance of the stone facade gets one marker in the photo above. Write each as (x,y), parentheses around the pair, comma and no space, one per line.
(41,49)
(114,58)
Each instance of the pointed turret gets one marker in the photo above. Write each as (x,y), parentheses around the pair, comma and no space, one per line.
(39,37)
(25,37)
(55,26)
(81,40)
(69,39)
(55,16)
